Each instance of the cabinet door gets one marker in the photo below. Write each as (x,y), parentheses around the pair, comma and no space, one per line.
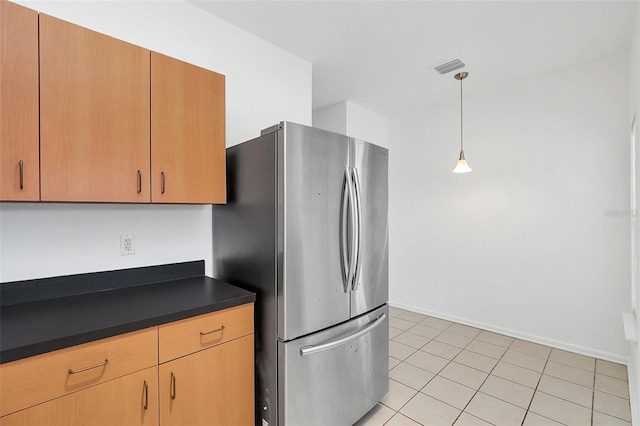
(187,133)
(94,107)
(211,387)
(129,400)
(19,144)
(49,374)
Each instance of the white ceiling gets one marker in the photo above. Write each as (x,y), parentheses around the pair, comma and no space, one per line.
(379,54)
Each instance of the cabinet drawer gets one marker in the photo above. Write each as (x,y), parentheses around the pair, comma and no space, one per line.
(33,380)
(194,334)
(131,400)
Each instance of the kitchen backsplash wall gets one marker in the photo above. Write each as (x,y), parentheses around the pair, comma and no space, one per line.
(264,85)
(50,239)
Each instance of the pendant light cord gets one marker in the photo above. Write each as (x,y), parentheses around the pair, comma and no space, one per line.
(461,137)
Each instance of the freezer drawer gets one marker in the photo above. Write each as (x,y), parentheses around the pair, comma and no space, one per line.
(335,376)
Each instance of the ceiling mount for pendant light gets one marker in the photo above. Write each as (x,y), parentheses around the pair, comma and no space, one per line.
(462,166)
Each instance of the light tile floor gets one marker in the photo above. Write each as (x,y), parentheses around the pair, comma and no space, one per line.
(443,373)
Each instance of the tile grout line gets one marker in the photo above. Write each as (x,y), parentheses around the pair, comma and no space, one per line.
(403,405)
(452,360)
(477,390)
(434,374)
(535,390)
(489,373)
(483,382)
(593,391)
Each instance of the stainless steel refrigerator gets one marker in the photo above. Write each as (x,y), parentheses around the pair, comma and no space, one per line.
(306,228)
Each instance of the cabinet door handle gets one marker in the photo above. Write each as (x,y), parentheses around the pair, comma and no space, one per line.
(21,174)
(172,391)
(139,181)
(146,395)
(91,367)
(162,183)
(205,333)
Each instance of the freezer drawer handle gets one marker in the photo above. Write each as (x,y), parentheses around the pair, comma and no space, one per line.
(308,350)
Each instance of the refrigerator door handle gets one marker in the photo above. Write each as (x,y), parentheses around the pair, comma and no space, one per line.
(348,259)
(358,238)
(308,350)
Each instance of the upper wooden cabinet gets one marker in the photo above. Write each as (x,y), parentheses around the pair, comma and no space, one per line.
(19,151)
(187,133)
(110,122)
(94,116)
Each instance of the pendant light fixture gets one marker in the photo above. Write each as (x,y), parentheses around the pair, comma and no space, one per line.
(462,166)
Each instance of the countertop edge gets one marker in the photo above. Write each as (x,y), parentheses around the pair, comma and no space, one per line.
(167,302)
(15,354)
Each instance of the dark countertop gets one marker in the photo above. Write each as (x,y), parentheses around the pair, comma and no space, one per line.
(39,326)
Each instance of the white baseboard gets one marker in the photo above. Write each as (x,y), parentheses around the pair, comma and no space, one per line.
(582,350)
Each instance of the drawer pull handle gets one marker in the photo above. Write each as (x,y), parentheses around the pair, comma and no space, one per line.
(172,391)
(206,333)
(102,364)
(146,395)
(21,174)
(162,183)
(139,181)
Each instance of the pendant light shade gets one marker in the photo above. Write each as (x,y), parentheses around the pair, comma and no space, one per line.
(462,166)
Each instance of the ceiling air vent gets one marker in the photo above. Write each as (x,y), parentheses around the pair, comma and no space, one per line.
(449,66)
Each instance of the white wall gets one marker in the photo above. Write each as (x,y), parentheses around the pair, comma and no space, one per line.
(535,242)
(353,120)
(264,85)
(634,108)
(332,118)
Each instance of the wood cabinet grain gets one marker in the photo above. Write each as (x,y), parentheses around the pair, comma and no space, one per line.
(94,116)
(120,380)
(130,400)
(19,115)
(211,387)
(90,118)
(187,133)
(32,380)
(191,335)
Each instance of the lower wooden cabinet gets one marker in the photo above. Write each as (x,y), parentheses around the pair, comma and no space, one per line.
(210,382)
(129,400)
(30,381)
(211,387)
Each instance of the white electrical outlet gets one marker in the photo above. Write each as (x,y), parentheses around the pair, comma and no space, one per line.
(127,244)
